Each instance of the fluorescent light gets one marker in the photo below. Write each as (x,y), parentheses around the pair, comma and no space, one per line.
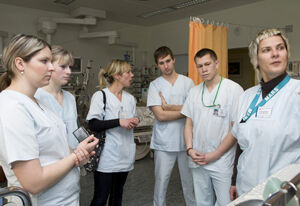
(173,8)
(65,2)
(157,12)
(188,3)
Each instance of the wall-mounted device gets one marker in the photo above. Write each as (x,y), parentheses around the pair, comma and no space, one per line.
(76,68)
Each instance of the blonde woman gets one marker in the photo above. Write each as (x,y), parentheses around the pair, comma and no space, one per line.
(60,101)
(34,151)
(118,154)
(267,126)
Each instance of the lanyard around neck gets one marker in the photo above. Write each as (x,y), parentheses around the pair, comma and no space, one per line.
(213,104)
(253,107)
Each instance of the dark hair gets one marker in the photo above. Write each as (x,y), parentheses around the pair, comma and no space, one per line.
(162,52)
(23,46)
(202,52)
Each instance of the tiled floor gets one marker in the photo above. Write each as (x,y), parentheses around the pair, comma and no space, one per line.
(139,186)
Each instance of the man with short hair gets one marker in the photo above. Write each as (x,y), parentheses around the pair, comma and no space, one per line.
(210,109)
(166,95)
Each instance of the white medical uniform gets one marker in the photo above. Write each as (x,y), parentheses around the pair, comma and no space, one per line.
(118,154)
(270,141)
(28,132)
(67,112)
(210,126)
(168,139)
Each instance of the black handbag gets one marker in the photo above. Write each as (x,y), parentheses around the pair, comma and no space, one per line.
(93,162)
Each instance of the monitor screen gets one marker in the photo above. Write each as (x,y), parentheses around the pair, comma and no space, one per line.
(77,67)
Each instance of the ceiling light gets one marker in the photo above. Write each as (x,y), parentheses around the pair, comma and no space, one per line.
(65,2)
(173,8)
(188,3)
(157,12)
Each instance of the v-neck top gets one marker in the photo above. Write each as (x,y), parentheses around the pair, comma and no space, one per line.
(67,112)
(269,142)
(210,129)
(29,131)
(118,154)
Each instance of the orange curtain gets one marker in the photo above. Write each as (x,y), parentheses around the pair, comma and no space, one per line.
(207,36)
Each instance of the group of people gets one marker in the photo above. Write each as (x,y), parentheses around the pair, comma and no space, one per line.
(38,150)
(197,126)
(263,120)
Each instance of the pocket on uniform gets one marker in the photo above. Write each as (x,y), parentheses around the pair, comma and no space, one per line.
(110,155)
(132,152)
(127,155)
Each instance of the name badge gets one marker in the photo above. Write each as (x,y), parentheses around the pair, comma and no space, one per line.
(220,112)
(264,112)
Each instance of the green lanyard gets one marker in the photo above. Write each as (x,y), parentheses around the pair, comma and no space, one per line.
(213,105)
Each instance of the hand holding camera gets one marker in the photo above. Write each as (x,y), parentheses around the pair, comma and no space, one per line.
(85,149)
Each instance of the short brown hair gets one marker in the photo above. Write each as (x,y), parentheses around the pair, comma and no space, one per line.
(162,52)
(202,52)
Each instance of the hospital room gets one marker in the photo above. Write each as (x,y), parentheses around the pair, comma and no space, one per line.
(148,102)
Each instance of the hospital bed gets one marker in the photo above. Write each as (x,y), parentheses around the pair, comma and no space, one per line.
(18,192)
(143,132)
(289,191)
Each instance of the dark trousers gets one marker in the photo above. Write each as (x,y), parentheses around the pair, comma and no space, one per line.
(108,185)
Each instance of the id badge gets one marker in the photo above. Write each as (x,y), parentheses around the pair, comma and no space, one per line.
(216,111)
(219,111)
(222,112)
(264,112)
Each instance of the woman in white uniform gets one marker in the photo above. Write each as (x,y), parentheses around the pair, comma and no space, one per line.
(60,101)
(267,128)
(34,151)
(118,155)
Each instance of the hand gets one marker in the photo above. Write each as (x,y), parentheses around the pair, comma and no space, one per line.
(129,123)
(135,121)
(82,157)
(206,158)
(233,193)
(85,150)
(163,101)
(88,144)
(195,155)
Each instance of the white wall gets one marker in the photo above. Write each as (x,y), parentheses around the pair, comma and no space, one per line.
(254,17)
(16,20)
(267,13)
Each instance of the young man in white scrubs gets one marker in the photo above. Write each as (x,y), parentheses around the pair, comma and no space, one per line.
(210,109)
(166,95)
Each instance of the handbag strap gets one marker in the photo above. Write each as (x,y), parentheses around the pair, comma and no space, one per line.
(104,100)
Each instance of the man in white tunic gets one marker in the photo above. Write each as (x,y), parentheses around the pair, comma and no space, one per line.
(210,109)
(166,96)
